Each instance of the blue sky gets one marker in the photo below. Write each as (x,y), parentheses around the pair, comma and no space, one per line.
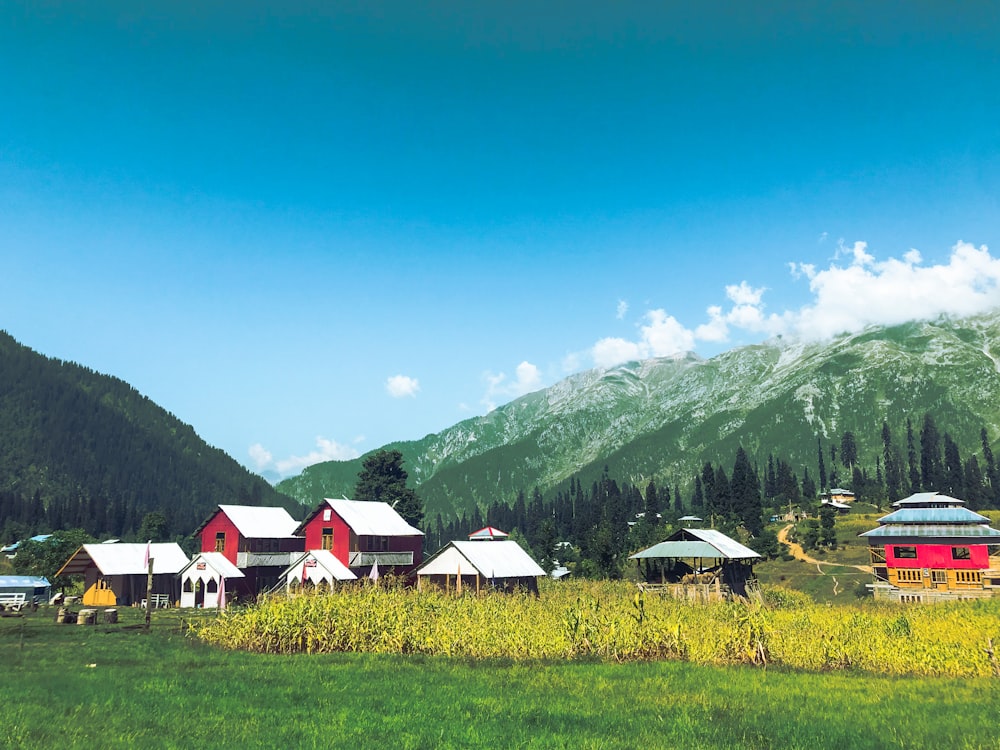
(311,231)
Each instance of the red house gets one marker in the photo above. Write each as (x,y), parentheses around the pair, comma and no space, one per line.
(261,542)
(361,533)
(931,548)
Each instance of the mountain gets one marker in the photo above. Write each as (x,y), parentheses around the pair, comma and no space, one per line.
(663,418)
(81,449)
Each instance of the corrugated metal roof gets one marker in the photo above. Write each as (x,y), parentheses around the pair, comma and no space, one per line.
(929,531)
(326,563)
(217,561)
(922,498)
(23,582)
(679,549)
(372,518)
(126,559)
(255,522)
(934,515)
(497,559)
(729,547)
(488,533)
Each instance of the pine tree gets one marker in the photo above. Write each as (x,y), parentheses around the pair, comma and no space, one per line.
(992,480)
(952,470)
(911,458)
(931,473)
(383,479)
(822,467)
(848,450)
(745,494)
(652,504)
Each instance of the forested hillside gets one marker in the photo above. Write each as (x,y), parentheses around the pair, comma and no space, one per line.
(83,450)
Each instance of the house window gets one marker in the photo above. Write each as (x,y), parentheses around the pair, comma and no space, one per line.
(327,514)
(908,575)
(906,553)
(968,576)
(327,542)
(220,541)
(939,576)
(961,553)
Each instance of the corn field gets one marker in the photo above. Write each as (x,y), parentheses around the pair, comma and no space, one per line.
(611,621)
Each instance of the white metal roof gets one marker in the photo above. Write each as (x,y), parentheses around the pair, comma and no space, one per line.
(126,559)
(922,498)
(496,559)
(215,562)
(372,518)
(327,567)
(255,522)
(729,547)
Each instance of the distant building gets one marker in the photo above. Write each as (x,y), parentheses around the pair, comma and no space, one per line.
(260,541)
(931,549)
(361,534)
(116,574)
(837,495)
(699,564)
(489,560)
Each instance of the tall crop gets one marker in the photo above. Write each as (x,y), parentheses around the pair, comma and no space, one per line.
(611,621)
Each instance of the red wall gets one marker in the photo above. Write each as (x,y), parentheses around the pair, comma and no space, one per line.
(342,537)
(938,556)
(220,522)
(341,534)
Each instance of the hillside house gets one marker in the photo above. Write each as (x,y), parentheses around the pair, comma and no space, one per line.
(488,560)
(360,534)
(115,574)
(260,542)
(698,564)
(931,548)
(837,495)
(205,578)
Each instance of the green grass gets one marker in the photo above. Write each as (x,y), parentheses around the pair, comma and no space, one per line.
(66,686)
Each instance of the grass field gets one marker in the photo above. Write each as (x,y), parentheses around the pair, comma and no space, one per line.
(110,686)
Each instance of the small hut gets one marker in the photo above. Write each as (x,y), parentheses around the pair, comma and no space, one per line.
(204,578)
(488,560)
(697,564)
(27,589)
(317,567)
(115,574)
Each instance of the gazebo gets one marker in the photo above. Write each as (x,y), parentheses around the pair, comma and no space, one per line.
(697,564)
(316,567)
(203,579)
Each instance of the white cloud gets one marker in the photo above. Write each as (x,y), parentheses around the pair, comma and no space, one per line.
(326,450)
(261,456)
(622,309)
(527,378)
(856,290)
(401,386)
(867,292)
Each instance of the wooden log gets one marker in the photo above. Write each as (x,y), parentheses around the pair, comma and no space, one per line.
(86,617)
(111,616)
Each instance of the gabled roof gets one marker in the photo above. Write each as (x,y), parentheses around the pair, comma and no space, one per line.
(126,559)
(325,562)
(255,522)
(218,564)
(37,582)
(502,558)
(366,518)
(694,543)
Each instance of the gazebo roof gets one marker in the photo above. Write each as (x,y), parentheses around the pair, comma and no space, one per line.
(698,543)
(487,533)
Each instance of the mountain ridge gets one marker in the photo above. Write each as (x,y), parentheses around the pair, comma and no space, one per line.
(662,418)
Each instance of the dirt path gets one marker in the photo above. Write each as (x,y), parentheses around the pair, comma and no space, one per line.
(799,554)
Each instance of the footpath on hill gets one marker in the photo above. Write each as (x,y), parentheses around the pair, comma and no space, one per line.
(795,549)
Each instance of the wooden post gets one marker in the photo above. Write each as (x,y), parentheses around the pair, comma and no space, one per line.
(149,591)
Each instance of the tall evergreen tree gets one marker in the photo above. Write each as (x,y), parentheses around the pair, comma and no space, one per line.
(848,450)
(745,494)
(952,470)
(652,504)
(822,466)
(891,462)
(931,473)
(383,479)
